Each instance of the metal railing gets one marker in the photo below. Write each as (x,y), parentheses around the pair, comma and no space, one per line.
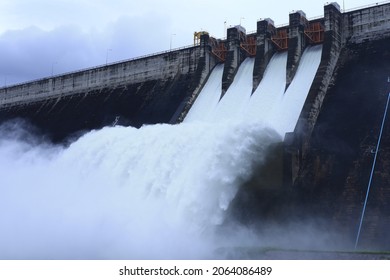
(98,66)
(365,7)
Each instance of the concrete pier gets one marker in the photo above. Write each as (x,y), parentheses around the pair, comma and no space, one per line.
(264,49)
(234,55)
(296,43)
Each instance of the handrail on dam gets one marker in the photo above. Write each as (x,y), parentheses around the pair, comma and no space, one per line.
(100,66)
(365,6)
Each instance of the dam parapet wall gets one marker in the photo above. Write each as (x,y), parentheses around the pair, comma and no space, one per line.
(155,67)
(366,24)
(135,92)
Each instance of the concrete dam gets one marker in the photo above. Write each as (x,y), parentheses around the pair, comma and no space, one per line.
(282,132)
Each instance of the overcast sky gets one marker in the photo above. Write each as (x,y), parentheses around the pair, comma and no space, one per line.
(39,38)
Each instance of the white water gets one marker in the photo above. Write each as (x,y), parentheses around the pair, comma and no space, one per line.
(237,96)
(270,91)
(207,101)
(285,116)
(270,103)
(158,192)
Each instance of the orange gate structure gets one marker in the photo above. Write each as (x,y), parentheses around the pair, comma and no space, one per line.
(249,45)
(218,49)
(280,39)
(315,32)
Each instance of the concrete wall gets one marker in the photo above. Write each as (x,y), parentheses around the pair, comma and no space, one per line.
(158,67)
(366,24)
(335,170)
(135,92)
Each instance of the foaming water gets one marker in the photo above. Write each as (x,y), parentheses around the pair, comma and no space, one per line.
(160,191)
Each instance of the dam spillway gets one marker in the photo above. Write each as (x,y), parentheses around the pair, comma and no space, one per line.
(271,103)
(224,169)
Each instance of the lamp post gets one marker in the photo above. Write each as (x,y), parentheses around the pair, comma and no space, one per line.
(170,44)
(108,50)
(52,68)
(241,20)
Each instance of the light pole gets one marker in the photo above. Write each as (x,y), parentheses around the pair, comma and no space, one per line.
(108,50)
(241,20)
(52,68)
(170,44)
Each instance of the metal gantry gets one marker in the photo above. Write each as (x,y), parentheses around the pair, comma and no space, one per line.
(280,39)
(315,32)
(218,49)
(249,45)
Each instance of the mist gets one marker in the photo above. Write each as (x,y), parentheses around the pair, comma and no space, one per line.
(160,191)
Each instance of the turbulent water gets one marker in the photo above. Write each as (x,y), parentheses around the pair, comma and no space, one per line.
(155,192)
(158,192)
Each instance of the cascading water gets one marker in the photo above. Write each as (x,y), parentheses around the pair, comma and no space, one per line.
(208,99)
(285,115)
(270,91)
(237,97)
(158,192)
(155,192)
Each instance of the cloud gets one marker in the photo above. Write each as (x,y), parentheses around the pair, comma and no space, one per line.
(33,53)
(39,37)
